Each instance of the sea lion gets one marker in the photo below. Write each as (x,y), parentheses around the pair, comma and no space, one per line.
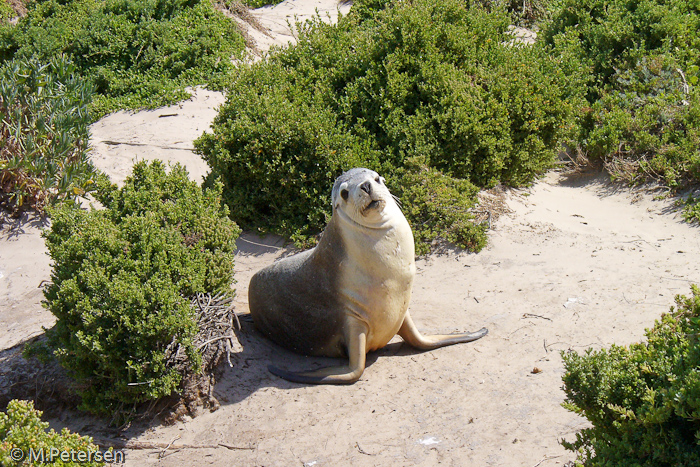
(349,295)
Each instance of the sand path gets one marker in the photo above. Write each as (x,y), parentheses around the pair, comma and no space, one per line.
(577,264)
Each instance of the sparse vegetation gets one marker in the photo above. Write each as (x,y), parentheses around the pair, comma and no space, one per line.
(260,3)
(43,134)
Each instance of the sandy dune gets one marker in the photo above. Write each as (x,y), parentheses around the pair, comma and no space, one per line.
(578,263)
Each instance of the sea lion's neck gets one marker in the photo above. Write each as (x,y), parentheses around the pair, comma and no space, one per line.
(390,241)
(391,217)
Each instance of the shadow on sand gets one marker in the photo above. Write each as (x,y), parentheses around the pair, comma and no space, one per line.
(601,183)
(249,373)
(13,227)
(53,391)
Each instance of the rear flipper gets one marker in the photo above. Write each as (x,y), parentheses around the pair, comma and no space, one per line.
(356,338)
(414,338)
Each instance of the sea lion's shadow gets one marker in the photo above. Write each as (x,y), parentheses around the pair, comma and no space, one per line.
(249,371)
(51,387)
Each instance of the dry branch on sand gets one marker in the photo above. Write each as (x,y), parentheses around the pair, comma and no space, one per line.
(215,340)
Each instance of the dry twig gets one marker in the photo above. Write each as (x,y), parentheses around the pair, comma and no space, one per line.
(545,458)
(139,445)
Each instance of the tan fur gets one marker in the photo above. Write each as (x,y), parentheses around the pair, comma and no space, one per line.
(350,294)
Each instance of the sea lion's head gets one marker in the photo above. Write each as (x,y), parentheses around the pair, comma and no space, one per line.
(361,195)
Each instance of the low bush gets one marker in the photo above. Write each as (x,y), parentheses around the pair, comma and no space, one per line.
(21,428)
(427,79)
(136,53)
(524,13)
(43,133)
(260,3)
(691,205)
(439,207)
(644,104)
(6,11)
(643,400)
(616,34)
(121,281)
(647,127)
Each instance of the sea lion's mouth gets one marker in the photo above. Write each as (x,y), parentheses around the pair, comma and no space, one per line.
(374,204)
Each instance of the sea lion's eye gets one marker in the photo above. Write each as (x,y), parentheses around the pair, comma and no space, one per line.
(344,194)
(378,179)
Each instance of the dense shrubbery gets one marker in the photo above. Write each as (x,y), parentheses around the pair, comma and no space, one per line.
(438,207)
(43,133)
(6,11)
(521,12)
(644,116)
(21,427)
(121,279)
(429,79)
(616,34)
(643,401)
(647,126)
(137,53)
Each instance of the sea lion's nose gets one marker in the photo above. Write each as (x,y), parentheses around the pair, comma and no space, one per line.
(366,187)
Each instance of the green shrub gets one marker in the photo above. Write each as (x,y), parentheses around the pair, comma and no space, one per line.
(6,11)
(648,126)
(643,400)
(438,206)
(260,3)
(137,53)
(21,428)
(644,55)
(427,79)
(526,13)
(43,133)
(121,281)
(691,211)
(616,34)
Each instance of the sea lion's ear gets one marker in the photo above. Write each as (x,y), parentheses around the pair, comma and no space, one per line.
(342,192)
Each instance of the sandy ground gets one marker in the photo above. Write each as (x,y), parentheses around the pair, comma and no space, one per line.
(575,265)
(279,21)
(578,263)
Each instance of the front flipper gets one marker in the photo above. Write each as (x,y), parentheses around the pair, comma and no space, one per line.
(356,339)
(414,338)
